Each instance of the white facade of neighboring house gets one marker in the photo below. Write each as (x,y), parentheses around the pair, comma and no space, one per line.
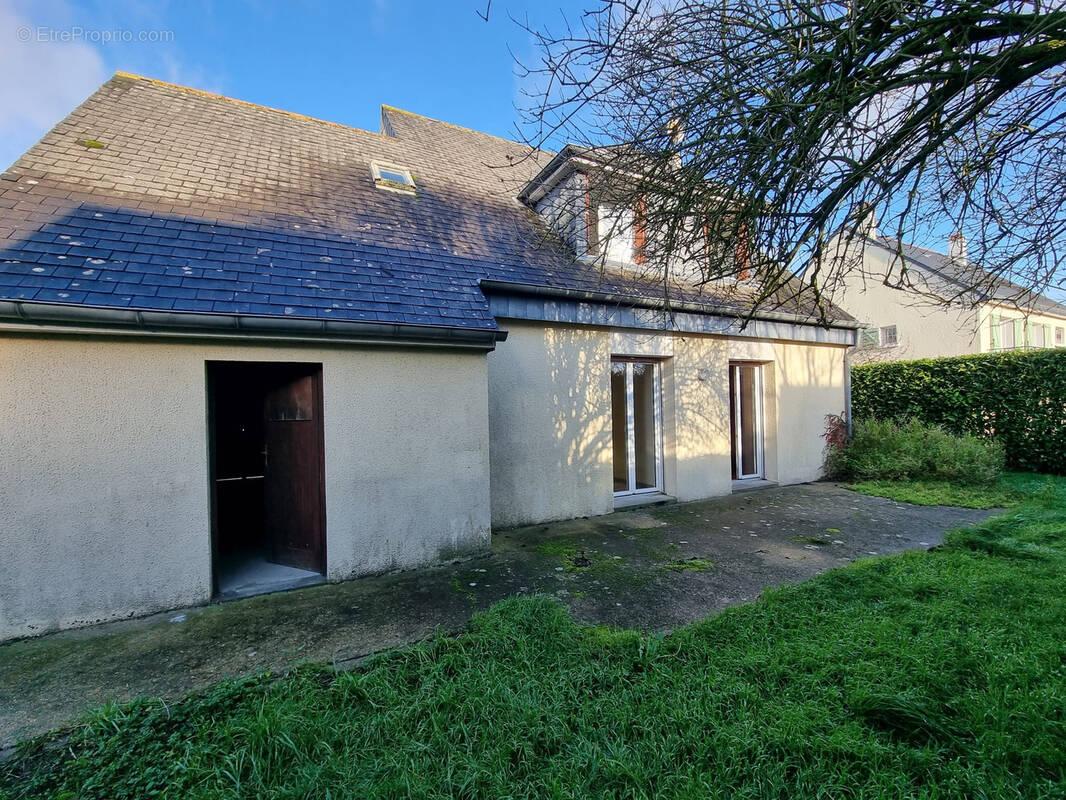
(902,323)
(236,341)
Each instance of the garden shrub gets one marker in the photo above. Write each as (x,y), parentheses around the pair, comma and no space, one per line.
(914,450)
(1017,399)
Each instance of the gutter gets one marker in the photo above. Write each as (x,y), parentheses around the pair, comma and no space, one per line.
(506,287)
(18,315)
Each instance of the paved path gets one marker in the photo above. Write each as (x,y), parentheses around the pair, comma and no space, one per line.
(632,569)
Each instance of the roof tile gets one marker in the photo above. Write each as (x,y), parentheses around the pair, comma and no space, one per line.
(200,203)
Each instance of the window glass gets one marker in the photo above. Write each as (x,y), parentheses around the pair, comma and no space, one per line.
(888,336)
(616,233)
(1060,338)
(644,431)
(620,426)
(392,175)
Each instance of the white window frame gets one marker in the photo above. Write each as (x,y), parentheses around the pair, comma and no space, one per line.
(738,434)
(631,427)
(883,339)
(408,184)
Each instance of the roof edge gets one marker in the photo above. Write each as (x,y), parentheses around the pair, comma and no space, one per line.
(57,317)
(237,101)
(1060,309)
(507,287)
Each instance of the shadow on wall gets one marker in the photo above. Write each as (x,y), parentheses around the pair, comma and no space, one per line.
(702,433)
(579,375)
(809,385)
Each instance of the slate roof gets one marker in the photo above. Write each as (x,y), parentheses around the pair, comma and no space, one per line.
(152,196)
(963,276)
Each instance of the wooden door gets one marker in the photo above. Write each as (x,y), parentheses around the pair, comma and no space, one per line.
(293,481)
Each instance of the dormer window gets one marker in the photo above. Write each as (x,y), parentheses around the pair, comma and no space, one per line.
(615,233)
(392,177)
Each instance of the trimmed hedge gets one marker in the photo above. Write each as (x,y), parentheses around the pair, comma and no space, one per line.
(1018,399)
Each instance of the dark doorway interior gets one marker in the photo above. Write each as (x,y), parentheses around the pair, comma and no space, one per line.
(268,476)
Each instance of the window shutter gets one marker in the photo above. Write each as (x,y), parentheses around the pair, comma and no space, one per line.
(993,331)
(1020,332)
(640,231)
(1046,340)
(743,254)
(708,251)
(592,224)
(871,337)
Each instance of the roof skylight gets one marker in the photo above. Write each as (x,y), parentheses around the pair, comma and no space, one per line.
(390,176)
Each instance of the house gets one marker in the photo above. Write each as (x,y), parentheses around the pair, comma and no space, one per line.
(946,306)
(245,350)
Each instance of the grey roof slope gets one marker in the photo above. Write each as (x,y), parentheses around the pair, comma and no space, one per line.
(963,276)
(202,204)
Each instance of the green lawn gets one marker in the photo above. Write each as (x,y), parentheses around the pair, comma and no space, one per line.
(1012,488)
(928,674)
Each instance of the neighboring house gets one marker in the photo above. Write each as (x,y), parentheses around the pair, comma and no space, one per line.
(937,312)
(244,349)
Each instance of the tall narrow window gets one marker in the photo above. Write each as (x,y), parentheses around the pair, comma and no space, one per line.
(636,410)
(616,233)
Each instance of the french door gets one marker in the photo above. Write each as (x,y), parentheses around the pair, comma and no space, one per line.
(636,410)
(745,406)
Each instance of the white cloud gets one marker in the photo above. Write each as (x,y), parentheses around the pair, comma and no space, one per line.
(40,81)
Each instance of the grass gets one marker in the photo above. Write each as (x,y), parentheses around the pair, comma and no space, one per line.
(690,565)
(1008,491)
(927,674)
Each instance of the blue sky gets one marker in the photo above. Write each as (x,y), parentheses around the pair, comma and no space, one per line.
(335,60)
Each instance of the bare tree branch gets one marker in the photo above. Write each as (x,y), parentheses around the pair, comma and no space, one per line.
(779,123)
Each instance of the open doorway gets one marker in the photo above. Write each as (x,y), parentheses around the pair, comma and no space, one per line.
(746,424)
(267,470)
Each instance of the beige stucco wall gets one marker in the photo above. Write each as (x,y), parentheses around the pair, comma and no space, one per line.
(924,327)
(104,496)
(550,414)
(549,436)
(1027,317)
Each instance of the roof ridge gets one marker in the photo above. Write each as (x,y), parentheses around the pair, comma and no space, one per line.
(248,103)
(1031,293)
(386,106)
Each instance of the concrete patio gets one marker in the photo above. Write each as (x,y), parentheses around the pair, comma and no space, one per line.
(652,569)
